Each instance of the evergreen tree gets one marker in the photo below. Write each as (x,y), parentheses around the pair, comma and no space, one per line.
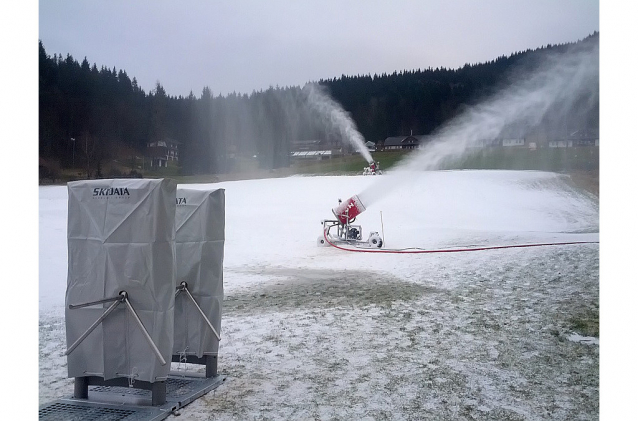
(105,110)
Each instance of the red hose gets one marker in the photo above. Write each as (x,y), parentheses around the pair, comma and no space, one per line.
(457,250)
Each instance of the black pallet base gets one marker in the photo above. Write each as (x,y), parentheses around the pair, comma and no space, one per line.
(130,404)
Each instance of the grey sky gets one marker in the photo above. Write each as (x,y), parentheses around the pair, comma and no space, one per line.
(250,45)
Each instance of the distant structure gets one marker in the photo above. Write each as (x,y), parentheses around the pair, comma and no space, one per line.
(314,149)
(399,143)
(584,137)
(162,151)
(514,143)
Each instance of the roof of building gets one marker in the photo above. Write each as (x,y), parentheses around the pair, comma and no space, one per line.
(400,141)
(307,145)
(157,144)
(305,154)
(584,134)
(165,143)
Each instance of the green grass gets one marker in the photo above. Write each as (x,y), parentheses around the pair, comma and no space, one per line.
(545,159)
(574,159)
(586,323)
(172,170)
(349,164)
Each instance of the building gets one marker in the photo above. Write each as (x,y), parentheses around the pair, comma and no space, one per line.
(316,149)
(162,151)
(307,145)
(560,144)
(400,143)
(578,138)
(317,155)
(515,142)
(584,137)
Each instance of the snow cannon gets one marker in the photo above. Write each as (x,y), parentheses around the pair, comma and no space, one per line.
(347,211)
(372,169)
(346,232)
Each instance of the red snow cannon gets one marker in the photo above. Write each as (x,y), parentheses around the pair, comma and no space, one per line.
(347,211)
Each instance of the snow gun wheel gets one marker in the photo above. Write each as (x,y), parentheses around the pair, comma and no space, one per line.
(321,242)
(375,240)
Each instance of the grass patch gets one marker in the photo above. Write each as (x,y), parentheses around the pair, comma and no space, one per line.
(349,164)
(581,162)
(545,159)
(586,323)
(343,165)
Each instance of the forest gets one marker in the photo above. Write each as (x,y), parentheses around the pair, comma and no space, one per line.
(90,115)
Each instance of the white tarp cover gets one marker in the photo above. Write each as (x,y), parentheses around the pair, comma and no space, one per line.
(199,245)
(121,237)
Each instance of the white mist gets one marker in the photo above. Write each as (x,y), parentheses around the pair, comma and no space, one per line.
(556,86)
(336,118)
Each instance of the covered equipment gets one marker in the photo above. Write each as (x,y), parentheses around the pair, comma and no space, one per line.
(119,305)
(199,243)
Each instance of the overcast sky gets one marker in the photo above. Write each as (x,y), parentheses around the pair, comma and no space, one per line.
(250,45)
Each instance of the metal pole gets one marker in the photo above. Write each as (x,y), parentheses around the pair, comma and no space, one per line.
(203,315)
(92,303)
(146,335)
(382,232)
(88,169)
(93,326)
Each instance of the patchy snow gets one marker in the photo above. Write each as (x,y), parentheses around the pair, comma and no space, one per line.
(316,333)
(587,340)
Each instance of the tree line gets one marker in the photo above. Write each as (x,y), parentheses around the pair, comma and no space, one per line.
(89,115)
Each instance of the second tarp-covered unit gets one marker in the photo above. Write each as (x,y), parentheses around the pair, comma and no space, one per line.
(199,244)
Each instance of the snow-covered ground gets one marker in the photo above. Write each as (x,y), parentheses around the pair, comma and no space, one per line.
(316,333)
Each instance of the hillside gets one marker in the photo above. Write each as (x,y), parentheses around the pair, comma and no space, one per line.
(98,122)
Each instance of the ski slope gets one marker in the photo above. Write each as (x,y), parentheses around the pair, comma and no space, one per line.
(314,332)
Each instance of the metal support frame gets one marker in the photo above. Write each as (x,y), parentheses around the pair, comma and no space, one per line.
(144,331)
(210,361)
(342,229)
(81,385)
(158,388)
(121,298)
(183,287)
(116,301)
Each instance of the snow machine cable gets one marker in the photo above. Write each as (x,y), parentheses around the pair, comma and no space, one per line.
(414,250)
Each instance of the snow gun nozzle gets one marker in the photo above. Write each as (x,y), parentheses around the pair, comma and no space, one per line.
(347,211)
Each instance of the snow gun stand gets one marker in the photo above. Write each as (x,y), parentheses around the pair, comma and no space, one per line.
(343,231)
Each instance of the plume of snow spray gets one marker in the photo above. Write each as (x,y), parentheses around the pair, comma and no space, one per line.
(561,83)
(336,118)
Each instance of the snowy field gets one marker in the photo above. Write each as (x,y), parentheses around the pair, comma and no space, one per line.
(317,333)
